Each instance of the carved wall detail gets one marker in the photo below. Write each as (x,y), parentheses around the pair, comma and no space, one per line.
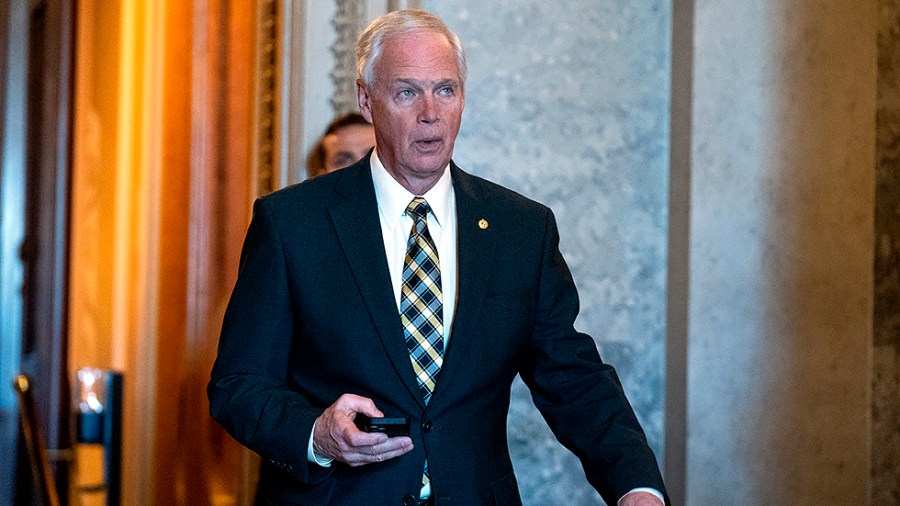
(266,159)
(349,20)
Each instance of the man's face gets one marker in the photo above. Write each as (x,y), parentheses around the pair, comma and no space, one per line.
(347,145)
(416,105)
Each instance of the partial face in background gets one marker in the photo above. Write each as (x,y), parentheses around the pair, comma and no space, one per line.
(416,105)
(347,145)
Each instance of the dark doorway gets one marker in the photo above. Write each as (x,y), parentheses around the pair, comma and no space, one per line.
(36,57)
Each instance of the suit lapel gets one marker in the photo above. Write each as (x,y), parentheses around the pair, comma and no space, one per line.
(358,229)
(475,251)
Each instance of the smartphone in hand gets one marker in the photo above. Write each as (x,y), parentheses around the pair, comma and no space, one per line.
(396,426)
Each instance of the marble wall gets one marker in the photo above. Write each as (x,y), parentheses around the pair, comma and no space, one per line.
(886,374)
(782,203)
(567,103)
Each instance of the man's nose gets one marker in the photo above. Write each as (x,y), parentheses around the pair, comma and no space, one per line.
(428,110)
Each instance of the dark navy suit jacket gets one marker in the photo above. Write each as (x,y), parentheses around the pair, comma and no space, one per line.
(313,316)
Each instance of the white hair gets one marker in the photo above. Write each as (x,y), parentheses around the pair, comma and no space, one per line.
(395,23)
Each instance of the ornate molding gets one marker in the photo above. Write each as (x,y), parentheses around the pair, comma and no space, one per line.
(266,98)
(350,19)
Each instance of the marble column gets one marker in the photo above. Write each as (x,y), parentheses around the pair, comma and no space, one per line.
(780,306)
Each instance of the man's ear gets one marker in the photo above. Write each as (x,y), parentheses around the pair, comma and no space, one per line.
(364,100)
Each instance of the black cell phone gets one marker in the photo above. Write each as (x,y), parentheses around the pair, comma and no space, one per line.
(396,426)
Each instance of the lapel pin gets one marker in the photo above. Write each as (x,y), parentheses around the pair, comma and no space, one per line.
(482,224)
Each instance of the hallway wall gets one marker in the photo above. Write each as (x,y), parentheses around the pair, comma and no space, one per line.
(779,342)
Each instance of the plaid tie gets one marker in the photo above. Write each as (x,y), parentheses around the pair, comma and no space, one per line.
(421,306)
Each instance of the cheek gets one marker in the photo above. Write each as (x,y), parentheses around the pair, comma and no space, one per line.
(396,126)
(396,131)
(457,113)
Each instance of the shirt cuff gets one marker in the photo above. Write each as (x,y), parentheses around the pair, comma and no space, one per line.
(653,491)
(311,453)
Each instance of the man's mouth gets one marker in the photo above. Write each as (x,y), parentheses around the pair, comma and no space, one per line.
(428,144)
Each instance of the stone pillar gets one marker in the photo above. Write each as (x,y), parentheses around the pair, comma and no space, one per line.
(779,343)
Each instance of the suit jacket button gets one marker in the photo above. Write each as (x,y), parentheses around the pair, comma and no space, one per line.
(427,426)
(409,500)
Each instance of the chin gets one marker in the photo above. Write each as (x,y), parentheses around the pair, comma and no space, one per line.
(432,164)
(431,169)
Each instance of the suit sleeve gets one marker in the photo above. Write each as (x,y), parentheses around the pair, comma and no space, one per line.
(249,392)
(580,396)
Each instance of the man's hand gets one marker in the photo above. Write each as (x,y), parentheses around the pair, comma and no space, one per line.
(337,437)
(639,499)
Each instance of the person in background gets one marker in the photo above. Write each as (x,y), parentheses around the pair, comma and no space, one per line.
(346,139)
(404,287)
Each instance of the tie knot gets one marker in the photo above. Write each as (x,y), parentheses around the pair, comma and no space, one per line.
(418,208)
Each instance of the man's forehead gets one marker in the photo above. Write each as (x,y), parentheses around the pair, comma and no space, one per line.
(415,37)
(406,60)
(418,47)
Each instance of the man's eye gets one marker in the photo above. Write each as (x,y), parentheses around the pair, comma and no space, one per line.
(405,93)
(446,91)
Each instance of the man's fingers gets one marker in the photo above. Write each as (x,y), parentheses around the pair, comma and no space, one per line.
(396,452)
(389,449)
(360,439)
(393,445)
(380,445)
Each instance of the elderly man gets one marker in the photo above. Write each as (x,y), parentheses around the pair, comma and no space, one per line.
(403,287)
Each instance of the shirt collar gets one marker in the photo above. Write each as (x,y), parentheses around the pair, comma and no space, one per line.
(393,198)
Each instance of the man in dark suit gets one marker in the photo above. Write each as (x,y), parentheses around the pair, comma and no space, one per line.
(402,286)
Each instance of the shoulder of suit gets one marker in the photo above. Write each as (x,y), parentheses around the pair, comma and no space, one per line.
(315,191)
